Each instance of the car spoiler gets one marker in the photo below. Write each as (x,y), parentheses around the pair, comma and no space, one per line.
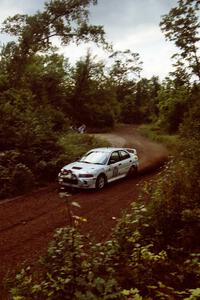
(131,150)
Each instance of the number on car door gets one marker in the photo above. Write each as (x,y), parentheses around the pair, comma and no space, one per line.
(125,161)
(114,165)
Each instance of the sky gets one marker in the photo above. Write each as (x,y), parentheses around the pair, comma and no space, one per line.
(129,24)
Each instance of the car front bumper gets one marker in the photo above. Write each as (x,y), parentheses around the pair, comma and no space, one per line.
(84,183)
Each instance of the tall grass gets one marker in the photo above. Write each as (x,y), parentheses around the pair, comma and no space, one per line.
(154,133)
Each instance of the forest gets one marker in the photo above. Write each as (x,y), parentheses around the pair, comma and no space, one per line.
(154,251)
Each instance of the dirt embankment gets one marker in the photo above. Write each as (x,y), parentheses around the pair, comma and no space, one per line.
(28,222)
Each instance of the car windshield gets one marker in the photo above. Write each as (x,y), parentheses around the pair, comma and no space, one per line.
(95,157)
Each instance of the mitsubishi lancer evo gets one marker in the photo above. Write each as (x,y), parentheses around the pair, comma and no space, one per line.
(98,167)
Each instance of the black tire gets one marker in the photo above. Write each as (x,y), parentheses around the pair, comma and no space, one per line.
(100,182)
(132,171)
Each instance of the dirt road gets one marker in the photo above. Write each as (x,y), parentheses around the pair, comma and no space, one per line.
(28,222)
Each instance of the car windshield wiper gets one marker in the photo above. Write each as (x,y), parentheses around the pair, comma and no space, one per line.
(83,161)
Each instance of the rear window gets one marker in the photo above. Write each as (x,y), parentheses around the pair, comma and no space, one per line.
(133,151)
(124,155)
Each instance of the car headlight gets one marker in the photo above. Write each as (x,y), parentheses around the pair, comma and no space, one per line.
(86,175)
(64,172)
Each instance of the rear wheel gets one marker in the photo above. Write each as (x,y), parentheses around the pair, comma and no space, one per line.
(100,182)
(132,171)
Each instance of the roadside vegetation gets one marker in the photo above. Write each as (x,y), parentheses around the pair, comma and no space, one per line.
(155,133)
(154,249)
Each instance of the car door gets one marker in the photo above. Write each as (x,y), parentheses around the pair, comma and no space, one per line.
(126,161)
(114,164)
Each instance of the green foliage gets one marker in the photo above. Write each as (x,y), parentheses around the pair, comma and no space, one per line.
(194,294)
(172,104)
(72,269)
(124,71)
(34,118)
(146,98)
(92,100)
(140,105)
(75,145)
(181,25)
(129,111)
(8,160)
(26,133)
(29,131)
(159,241)
(22,179)
(154,133)
(126,64)
(63,18)
(16,178)
(45,76)
(190,128)
(172,208)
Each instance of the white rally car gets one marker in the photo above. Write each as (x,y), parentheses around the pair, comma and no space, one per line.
(99,166)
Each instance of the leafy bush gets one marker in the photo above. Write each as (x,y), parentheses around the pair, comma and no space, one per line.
(22,179)
(16,178)
(72,269)
(8,161)
(75,145)
(190,128)
(166,229)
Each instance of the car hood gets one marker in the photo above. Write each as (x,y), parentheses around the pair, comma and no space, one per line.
(81,167)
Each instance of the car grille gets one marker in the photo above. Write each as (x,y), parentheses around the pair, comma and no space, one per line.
(70,180)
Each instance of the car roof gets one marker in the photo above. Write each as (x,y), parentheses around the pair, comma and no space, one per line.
(107,149)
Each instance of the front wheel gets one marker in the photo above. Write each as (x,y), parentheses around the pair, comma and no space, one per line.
(100,182)
(132,171)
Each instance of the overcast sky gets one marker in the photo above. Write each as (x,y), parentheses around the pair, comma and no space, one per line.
(129,24)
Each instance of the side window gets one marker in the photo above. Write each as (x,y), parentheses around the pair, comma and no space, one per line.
(124,155)
(114,157)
